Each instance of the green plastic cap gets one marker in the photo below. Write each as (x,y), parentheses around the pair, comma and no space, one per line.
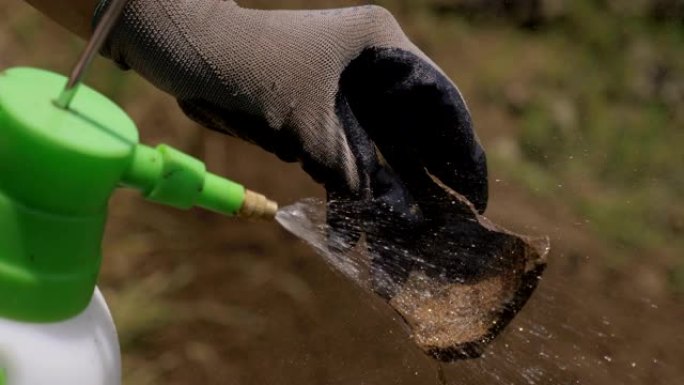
(58,169)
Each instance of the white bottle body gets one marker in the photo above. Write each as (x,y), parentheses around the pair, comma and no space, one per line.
(83,350)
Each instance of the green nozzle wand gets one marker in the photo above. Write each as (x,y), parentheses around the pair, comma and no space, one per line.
(166,175)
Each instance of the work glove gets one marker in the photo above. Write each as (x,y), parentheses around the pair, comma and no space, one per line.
(345,93)
(322,88)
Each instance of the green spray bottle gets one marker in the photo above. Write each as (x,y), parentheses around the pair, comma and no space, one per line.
(62,155)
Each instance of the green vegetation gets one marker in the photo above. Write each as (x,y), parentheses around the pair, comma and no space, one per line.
(603,118)
(613,122)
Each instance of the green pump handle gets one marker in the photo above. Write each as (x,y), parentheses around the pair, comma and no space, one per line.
(58,169)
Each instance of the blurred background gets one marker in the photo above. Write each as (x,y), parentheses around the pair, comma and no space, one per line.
(580,105)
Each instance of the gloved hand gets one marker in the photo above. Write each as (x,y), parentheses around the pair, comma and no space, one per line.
(323,88)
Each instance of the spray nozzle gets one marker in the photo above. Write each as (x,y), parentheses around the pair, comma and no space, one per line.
(168,176)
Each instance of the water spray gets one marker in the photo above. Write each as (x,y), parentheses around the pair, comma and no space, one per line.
(64,150)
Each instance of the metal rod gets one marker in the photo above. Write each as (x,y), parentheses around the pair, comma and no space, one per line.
(102,30)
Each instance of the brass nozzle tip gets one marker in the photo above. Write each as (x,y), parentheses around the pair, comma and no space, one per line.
(257,206)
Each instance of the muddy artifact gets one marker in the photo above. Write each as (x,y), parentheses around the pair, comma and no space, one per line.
(467,280)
